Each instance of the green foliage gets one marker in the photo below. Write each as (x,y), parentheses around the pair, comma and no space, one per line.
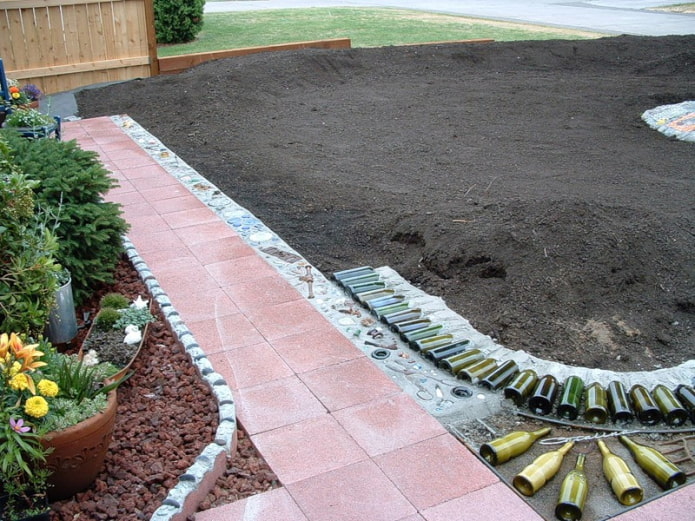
(106,319)
(134,316)
(28,118)
(178,21)
(77,381)
(72,182)
(114,300)
(27,266)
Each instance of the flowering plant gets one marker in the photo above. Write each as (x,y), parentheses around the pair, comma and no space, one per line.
(22,95)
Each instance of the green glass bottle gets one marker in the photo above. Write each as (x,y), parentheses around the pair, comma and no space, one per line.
(352,273)
(646,409)
(360,289)
(421,334)
(360,279)
(623,482)
(411,325)
(515,443)
(386,310)
(544,467)
(674,413)
(432,342)
(618,403)
(500,376)
(379,303)
(686,395)
(595,403)
(543,396)
(477,371)
(573,493)
(399,316)
(458,362)
(371,295)
(655,464)
(519,389)
(440,353)
(570,398)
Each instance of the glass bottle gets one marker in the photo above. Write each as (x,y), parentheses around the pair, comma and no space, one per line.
(618,403)
(477,371)
(354,272)
(387,310)
(421,334)
(399,316)
(411,325)
(500,376)
(570,398)
(573,493)
(521,386)
(383,302)
(595,403)
(655,464)
(686,395)
(622,481)
(543,396)
(674,413)
(458,362)
(432,342)
(515,443)
(365,287)
(371,295)
(359,279)
(544,467)
(646,409)
(440,353)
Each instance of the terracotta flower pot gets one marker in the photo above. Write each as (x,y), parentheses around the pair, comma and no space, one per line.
(79,452)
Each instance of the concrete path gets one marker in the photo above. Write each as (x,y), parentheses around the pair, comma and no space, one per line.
(605,16)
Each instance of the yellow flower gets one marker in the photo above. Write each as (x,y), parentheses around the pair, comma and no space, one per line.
(48,388)
(36,406)
(19,382)
(16,367)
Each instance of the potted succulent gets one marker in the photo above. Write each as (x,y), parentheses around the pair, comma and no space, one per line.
(52,403)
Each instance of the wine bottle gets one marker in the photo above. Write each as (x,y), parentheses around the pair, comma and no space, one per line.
(399,316)
(386,310)
(411,325)
(365,287)
(618,403)
(479,370)
(646,409)
(570,398)
(655,464)
(359,279)
(354,272)
(674,413)
(458,362)
(378,303)
(623,482)
(686,395)
(515,443)
(595,404)
(440,353)
(371,295)
(573,493)
(432,342)
(420,334)
(521,386)
(500,376)
(544,467)
(543,396)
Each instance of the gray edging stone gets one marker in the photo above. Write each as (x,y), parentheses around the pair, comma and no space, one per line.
(184,498)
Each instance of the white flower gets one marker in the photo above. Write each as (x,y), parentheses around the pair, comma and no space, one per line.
(90,358)
(139,303)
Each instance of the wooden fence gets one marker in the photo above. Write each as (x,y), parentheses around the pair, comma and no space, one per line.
(64,44)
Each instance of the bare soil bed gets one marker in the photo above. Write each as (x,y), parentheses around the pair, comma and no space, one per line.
(515,180)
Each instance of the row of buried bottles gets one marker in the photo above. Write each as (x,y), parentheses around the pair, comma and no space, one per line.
(574,489)
(464,361)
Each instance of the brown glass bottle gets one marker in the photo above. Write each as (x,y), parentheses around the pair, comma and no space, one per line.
(646,409)
(543,397)
(655,464)
(595,403)
(500,376)
(519,389)
(618,403)
(570,398)
(686,395)
(674,413)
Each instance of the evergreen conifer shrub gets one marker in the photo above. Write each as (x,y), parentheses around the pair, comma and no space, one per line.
(178,21)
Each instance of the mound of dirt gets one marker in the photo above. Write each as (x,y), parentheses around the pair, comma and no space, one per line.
(515,180)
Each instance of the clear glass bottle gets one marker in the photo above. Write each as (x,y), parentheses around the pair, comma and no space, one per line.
(655,464)
(500,376)
(595,403)
(573,493)
(672,410)
(646,409)
(623,482)
(571,397)
(543,396)
(519,389)
(618,403)
(544,467)
(515,443)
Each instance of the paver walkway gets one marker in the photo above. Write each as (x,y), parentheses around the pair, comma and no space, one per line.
(345,441)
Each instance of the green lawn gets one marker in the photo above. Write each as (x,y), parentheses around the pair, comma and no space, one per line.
(364,27)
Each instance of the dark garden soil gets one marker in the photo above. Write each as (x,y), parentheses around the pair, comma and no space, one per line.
(166,416)
(515,180)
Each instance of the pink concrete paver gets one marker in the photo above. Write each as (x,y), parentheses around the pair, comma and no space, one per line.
(348,444)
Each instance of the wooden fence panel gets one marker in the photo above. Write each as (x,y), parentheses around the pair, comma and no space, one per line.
(64,44)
